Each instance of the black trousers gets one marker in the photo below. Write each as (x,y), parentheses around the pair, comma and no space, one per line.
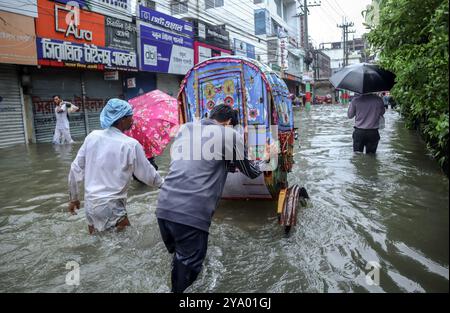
(189,246)
(367,138)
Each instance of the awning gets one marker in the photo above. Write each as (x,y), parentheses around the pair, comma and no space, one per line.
(291,77)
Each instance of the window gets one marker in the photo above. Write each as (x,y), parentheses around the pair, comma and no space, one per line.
(276,28)
(178,7)
(262,22)
(258,1)
(278,4)
(148,4)
(209,4)
(285,12)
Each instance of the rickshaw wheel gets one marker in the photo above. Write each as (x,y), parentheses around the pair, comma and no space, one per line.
(287,229)
(288,203)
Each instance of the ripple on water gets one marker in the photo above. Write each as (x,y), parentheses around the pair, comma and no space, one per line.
(391,209)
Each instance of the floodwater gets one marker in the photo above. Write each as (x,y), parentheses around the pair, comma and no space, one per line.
(373,223)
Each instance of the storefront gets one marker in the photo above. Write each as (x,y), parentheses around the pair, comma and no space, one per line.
(17,48)
(86,89)
(12,130)
(210,41)
(166,48)
(83,63)
(137,83)
(169,83)
(293,83)
(203,51)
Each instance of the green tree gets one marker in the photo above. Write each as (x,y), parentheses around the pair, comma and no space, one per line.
(411,40)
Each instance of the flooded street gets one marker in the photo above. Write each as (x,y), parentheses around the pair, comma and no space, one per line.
(390,209)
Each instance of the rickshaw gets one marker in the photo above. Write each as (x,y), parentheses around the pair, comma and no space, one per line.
(264,108)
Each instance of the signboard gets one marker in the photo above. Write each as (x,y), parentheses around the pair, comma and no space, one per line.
(275,67)
(201,31)
(22,7)
(114,8)
(165,21)
(120,34)
(293,42)
(203,51)
(284,53)
(292,77)
(17,43)
(131,82)
(60,53)
(165,43)
(53,23)
(69,37)
(111,75)
(165,52)
(213,35)
(244,49)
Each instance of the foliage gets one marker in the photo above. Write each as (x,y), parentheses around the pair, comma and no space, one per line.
(411,40)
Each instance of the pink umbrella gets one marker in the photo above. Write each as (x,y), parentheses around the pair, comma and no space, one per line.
(155,116)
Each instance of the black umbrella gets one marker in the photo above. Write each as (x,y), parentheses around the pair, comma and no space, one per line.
(363,78)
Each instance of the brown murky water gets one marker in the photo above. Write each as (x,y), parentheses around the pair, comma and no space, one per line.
(391,209)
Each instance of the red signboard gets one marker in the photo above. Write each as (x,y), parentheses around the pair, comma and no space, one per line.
(203,51)
(63,22)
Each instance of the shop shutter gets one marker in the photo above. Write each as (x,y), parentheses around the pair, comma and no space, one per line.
(98,91)
(168,83)
(47,82)
(11,113)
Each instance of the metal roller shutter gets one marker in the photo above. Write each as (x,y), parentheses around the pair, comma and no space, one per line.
(168,83)
(46,83)
(98,91)
(11,111)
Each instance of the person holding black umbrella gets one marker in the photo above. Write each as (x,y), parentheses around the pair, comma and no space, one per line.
(367,108)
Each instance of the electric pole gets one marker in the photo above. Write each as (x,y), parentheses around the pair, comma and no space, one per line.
(304,19)
(345,31)
(304,11)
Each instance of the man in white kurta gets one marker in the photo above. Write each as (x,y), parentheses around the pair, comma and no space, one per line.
(62,129)
(106,162)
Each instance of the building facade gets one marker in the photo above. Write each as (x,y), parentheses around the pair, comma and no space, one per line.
(82,60)
(335,51)
(265,30)
(321,65)
(17,52)
(90,51)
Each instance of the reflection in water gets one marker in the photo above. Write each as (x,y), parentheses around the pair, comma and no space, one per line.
(366,166)
(63,151)
(391,208)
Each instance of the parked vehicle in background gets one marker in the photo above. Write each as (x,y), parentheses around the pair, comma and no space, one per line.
(319,100)
(323,99)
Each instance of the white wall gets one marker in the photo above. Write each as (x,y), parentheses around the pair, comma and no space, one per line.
(293,21)
(354,58)
(337,57)
(23,7)
(291,25)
